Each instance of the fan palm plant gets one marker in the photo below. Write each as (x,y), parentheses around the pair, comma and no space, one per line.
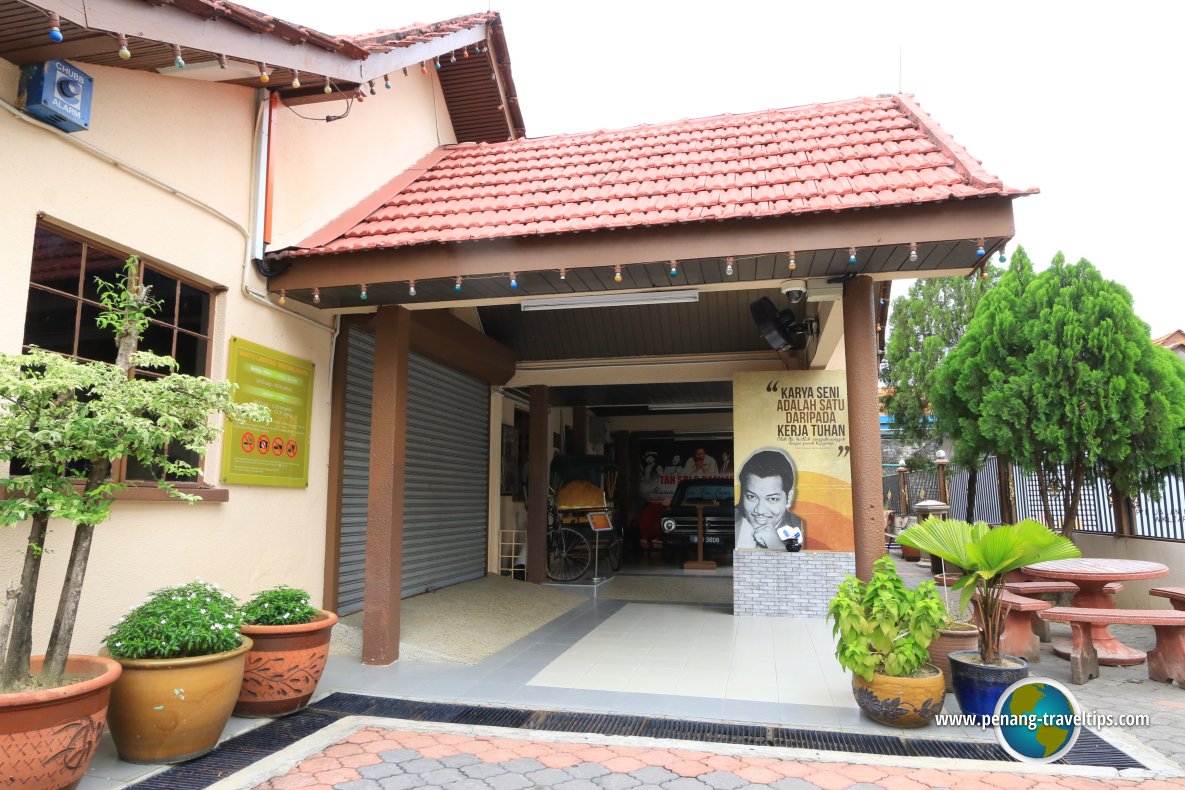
(987,555)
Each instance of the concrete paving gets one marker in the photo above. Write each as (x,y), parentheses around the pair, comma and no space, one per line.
(1117,690)
(384,753)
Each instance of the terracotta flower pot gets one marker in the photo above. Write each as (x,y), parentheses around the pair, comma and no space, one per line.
(48,736)
(284,666)
(901,702)
(168,710)
(950,641)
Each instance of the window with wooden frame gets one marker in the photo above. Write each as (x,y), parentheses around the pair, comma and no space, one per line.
(64,303)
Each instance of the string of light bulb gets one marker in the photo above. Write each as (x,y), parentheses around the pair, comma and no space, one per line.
(730,264)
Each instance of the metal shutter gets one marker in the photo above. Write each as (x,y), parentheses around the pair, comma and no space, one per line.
(351,568)
(446,484)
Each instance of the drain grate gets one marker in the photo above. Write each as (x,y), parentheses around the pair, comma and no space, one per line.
(240,752)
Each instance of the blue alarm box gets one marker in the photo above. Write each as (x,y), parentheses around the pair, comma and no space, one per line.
(58,93)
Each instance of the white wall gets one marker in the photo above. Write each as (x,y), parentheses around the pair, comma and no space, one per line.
(322,168)
(1135,593)
(198,138)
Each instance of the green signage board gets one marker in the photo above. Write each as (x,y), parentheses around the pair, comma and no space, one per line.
(276,454)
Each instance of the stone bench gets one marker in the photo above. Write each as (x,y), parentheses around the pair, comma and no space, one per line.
(1050,587)
(1018,637)
(1166,662)
(1176,595)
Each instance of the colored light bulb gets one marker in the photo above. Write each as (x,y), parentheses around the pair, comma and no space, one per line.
(563,274)
(513,280)
(913,252)
(387,81)
(283,296)
(362,294)
(55,29)
(674,272)
(1002,258)
(979,248)
(316,296)
(296,79)
(411,288)
(728,266)
(616,274)
(328,88)
(457,285)
(124,52)
(851,256)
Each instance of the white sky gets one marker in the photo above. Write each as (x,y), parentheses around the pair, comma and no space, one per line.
(1081,99)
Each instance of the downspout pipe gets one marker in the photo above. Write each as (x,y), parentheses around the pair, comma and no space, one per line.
(264,125)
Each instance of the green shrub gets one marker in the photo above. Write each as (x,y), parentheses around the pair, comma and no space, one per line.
(282,605)
(883,627)
(195,619)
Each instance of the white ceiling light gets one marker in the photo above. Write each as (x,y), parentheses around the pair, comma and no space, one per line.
(610,300)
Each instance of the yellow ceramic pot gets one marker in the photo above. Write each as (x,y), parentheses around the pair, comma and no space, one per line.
(901,702)
(168,710)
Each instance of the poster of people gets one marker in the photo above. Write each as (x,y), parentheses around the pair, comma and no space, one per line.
(665,460)
(793,474)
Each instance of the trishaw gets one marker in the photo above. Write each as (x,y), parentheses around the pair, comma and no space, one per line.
(581,528)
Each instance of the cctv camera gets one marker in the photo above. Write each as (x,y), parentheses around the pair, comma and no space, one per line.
(794,289)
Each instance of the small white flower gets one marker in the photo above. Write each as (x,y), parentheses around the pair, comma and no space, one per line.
(203,611)
(228,616)
(163,621)
(285,615)
(117,644)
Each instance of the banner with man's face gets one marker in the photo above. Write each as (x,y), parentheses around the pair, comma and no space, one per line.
(793,469)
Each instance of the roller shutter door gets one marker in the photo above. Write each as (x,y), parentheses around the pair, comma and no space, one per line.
(446,484)
(351,569)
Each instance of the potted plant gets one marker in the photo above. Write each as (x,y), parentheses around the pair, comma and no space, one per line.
(883,631)
(182,657)
(958,633)
(980,678)
(291,645)
(63,423)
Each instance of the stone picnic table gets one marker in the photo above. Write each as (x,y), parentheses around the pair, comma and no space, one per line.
(1092,574)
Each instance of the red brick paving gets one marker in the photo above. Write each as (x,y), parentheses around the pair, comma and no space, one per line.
(339,763)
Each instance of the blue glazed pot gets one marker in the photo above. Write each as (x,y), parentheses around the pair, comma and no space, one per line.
(977,687)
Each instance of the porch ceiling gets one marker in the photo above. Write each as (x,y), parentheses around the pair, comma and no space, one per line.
(719,323)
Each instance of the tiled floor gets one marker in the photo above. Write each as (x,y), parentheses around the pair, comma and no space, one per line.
(694,651)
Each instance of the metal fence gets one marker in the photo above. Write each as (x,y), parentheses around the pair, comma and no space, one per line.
(1154,518)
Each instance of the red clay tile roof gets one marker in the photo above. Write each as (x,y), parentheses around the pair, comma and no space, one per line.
(863,153)
(1174,339)
(419,32)
(357,47)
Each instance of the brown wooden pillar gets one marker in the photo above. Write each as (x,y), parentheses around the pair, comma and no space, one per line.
(384,513)
(859,327)
(579,430)
(539,445)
